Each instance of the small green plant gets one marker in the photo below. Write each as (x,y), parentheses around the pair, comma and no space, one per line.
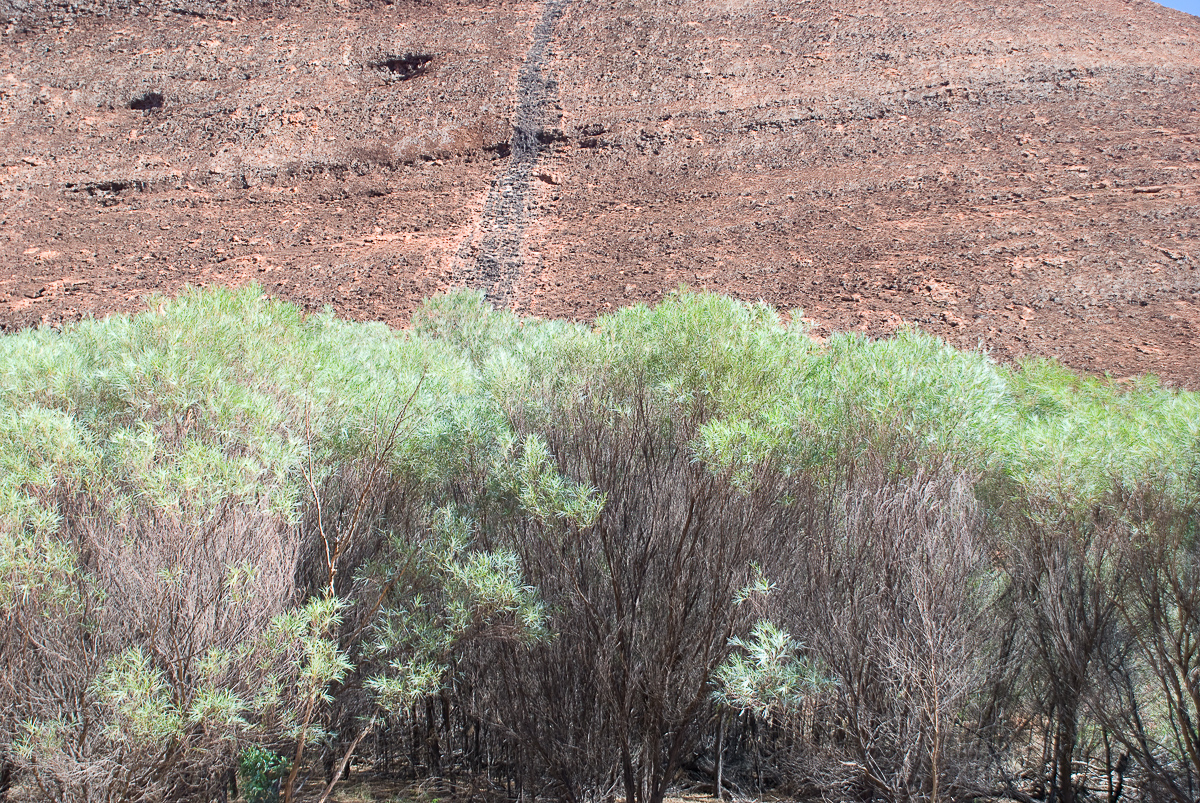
(261,771)
(767,673)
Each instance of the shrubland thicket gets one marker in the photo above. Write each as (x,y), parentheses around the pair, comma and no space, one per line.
(686,545)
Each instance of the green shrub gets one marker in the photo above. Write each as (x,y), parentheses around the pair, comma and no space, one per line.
(226,525)
(260,772)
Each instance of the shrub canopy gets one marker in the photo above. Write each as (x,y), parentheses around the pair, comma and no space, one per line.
(224,523)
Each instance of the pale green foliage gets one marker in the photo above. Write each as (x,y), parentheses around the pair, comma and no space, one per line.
(910,396)
(224,409)
(758,589)
(310,631)
(766,672)
(138,698)
(35,569)
(324,662)
(41,452)
(222,396)
(1081,438)
(546,494)
(485,589)
(37,739)
(406,682)
(466,322)
(467,593)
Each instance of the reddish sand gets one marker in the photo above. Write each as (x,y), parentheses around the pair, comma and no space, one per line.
(1019,176)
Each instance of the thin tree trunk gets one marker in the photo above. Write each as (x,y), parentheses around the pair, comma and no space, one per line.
(341,767)
(291,779)
(631,790)
(720,790)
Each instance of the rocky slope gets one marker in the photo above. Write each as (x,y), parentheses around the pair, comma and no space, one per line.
(1023,176)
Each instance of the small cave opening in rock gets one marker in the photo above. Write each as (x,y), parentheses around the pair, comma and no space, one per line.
(402,68)
(147,102)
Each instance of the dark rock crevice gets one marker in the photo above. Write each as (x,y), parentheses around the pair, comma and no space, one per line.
(492,260)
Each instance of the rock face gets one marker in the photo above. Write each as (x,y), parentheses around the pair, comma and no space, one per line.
(1015,174)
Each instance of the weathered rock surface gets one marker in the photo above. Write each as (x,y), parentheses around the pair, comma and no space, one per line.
(1019,175)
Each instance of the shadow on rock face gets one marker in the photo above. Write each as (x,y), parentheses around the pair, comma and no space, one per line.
(402,68)
(147,102)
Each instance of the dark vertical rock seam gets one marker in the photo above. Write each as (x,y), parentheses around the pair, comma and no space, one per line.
(492,262)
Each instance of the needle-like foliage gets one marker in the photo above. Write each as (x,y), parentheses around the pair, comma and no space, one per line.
(523,548)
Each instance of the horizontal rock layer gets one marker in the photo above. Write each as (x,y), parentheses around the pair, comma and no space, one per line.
(1021,176)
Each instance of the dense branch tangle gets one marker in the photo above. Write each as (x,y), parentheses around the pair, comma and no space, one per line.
(519,559)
